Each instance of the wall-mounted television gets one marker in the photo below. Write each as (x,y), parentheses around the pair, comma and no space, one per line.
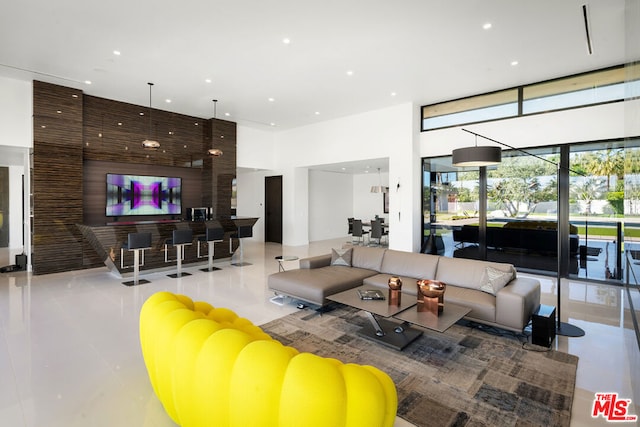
(143,195)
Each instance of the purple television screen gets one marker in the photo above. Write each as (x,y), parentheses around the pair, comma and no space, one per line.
(143,195)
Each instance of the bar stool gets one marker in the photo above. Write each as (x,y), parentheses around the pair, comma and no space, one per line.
(243,231)
(180,239)
(138,243)
(214,235)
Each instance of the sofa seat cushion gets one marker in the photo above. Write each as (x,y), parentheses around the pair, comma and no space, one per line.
(467,273)
(482,304)
(316,284)
(409,285)
(409,264)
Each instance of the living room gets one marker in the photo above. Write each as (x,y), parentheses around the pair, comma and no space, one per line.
(386,131)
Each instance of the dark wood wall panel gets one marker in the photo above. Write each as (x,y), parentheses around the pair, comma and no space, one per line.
(95,188)
(57,179)
(223,168)
(114,131)
(78,138)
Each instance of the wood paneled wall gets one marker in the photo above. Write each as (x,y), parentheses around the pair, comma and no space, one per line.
(95,188)
(73,133)
(57,178)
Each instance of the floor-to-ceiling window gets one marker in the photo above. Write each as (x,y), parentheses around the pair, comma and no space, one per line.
(599,236)
(571,209)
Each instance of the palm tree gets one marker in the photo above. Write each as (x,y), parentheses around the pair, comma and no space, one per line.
(588,190)
(607,163)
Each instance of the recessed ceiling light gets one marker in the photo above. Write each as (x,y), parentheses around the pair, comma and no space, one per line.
(393,93)
(286,40)
(349,73)
(119,123)
(487,26)
(116,52)
(207,80)
(317,113)
(59,111)
(514,63)
(272,124)
(271,99)
(141,113)
(227,114)
(87,82)
(168,101)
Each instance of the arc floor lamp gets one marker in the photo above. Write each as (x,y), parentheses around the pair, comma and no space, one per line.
(478,156)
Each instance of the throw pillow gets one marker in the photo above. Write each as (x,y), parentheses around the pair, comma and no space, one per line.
(341,257)
(493,279)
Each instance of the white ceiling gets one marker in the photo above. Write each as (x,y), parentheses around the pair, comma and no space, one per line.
(423,51)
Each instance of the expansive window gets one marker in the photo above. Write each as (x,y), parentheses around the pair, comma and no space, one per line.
(497,105)
(597,87)
(515,219)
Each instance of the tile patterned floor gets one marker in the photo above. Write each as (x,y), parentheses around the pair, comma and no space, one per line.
(69,351)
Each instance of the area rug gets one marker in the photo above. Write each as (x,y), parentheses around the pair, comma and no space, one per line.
(465,376)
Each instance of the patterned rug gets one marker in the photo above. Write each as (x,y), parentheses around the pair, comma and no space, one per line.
(462,377)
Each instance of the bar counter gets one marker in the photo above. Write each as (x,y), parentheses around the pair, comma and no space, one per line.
(107,240)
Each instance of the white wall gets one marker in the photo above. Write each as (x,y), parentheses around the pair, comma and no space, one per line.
(16,111)
(331,198)
(256,150)
(366,205)
(386,133)
(16,140)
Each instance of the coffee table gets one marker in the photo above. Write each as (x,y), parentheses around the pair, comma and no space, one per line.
(451,314)
(386,332)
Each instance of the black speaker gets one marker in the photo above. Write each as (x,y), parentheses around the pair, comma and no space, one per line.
(21,261)
(543,325)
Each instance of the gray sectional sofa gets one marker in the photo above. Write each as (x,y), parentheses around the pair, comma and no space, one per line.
(492,290)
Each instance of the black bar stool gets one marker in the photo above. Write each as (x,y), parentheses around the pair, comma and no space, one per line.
(180,239)
(214,235)
(138,243)
(243,232)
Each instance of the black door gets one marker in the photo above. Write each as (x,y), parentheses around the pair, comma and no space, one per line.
(273,209)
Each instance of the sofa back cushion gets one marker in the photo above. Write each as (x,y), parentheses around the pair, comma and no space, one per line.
(409,264)
(467,273)
(366,257)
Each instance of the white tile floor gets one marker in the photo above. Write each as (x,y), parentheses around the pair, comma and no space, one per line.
(69,350)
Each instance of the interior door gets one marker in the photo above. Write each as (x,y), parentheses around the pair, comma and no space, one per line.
(273,208)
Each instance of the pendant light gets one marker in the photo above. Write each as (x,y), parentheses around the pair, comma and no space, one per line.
(379,188)
(476,156)
(150,144)
(214,152)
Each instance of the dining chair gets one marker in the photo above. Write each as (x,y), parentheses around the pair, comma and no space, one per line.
(377,232)
(358,232)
